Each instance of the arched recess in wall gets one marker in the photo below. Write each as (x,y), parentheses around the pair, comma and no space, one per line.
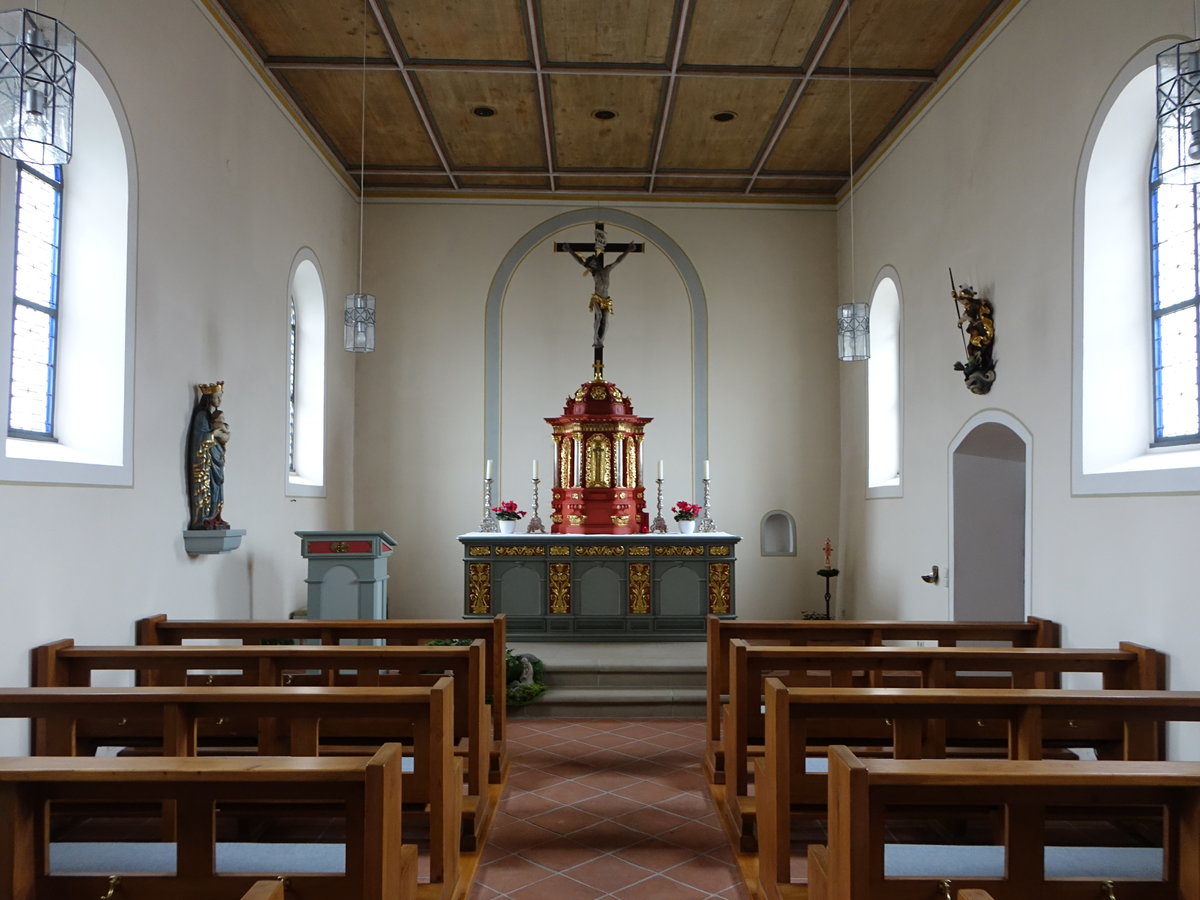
(991,490)
(777,534)
(97,281)
(1112,377)
(883,388)
(698,309)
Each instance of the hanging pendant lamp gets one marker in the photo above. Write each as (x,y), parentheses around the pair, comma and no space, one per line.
(853,318)
(1179,113)
(359,317)
(37,87)
(1178,109)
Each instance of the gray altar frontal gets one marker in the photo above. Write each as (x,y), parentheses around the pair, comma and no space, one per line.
(600,587)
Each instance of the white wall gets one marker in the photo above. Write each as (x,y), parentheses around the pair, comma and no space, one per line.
(228,193)
(768,279)
(985,183)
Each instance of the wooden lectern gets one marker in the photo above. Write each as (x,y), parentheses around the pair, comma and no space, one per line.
(347,573)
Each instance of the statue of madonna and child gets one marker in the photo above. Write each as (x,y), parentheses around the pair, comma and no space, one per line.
(208,436)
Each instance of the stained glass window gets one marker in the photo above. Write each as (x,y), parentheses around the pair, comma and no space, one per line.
(35,301)
(291,400)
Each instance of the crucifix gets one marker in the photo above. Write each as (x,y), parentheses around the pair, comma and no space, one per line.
(600,303)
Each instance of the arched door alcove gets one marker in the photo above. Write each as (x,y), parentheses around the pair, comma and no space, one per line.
(990,523)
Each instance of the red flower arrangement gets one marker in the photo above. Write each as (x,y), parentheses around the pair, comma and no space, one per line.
(508,511)
(685,512)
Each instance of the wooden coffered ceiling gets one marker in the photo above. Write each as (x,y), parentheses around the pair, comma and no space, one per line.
(668,99)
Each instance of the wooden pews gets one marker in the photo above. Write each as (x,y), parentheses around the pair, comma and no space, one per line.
(265,890)
(859,863)
(62,663)
(974,668)
(377,865)
(790,779)
(159,629)
(1034,632)
(284,720)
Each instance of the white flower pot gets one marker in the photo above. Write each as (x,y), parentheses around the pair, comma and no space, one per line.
(507,526)
(686,526)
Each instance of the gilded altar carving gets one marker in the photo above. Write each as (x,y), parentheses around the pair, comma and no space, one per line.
(479,551)
(681,550)
(639,551)
(519,551)
(560,588)
(601,550)
(639,588)
(599,463)
(564,462)
(558,550)
(617,395)
(599,392)
(631,471)
(576,520)
(620,520)
(719,588)
(339,547)
(479,588)
(719,550)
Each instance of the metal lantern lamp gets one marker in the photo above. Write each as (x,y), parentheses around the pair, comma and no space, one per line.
(854,332)
(37,87)
(360,323)
(1179,113)
(359,318)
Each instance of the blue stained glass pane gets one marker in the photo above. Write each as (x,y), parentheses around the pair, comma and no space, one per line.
(1176,376)
(1176,245)
(32,370)
(35,288)
(291,449)
(37,241)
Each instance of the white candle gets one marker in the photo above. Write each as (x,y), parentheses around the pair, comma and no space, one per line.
(660,470)
(535,470)
(487,470)
(707,473)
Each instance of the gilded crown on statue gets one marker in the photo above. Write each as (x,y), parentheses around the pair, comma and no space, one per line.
(598,464)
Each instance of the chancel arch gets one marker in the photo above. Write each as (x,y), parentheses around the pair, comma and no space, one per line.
(538,334)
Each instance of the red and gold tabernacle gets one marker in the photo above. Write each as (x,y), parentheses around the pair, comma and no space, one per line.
(598,463)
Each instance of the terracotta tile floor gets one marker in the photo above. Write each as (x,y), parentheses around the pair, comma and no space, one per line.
(606,808)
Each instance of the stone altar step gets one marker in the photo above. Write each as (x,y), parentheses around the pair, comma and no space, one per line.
(618,680)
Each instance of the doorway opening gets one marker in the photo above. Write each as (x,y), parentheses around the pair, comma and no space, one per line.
(989,493)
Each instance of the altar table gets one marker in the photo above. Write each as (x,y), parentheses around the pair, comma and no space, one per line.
(653,587)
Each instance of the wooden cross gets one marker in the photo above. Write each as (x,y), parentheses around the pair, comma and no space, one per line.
(600,303)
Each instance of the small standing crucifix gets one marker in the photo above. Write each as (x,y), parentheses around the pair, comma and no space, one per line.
(600,303)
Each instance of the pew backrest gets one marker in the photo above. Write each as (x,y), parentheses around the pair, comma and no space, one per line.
(159,629)
(1034,632)
(377,865)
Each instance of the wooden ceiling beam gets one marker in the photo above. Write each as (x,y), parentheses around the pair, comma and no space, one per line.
(664,118)
(548,68)
(393,45)
(535,51)
(782,124)
(597,173)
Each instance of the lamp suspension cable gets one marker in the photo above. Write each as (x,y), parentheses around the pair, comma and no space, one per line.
(850,108)
(362,146)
